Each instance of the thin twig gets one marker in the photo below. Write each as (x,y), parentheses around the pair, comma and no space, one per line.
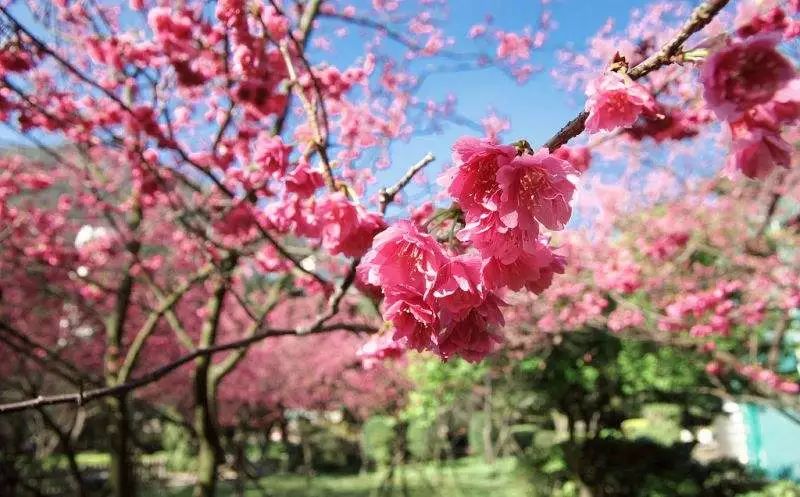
(386,195)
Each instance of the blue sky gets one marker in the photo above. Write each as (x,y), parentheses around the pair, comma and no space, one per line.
(535,109)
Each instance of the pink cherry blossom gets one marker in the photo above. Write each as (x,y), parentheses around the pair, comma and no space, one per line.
(513,46)
(578,157)
(669,124)
(474,177)
(458,285)
(402,255)
(536,187)
(757,17)
(614,101)
(420,214)
(472,335)
(477,30)
(303,180)
(271,154)
(790,387)
(494,125)
(379,348)
(785,106)
(744,74)
(415,321)
(294,214)
(493,238)
(532,269)
(757,151)
(346,228)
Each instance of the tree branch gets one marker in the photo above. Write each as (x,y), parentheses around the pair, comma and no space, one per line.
(80,398)
(306,26)
(50,359)
(386,195)
(167,303)
(222,368)
(700,17)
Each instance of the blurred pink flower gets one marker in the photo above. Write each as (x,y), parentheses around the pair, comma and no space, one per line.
(379,348)
(744,74)
(615,101)
(272,155)
(757,151)
(513,46)
(303,180)
(578,157)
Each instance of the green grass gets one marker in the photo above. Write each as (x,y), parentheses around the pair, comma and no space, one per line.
(89,459)
(93,459)
(464,478)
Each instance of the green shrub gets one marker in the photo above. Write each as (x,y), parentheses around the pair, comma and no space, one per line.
(777,489)
(421,439)
(178,447)
(333,453)
(377,438)
(477,422)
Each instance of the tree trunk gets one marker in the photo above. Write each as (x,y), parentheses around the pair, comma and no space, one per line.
(209,456)
(488,446)
(121,472)
(65,445)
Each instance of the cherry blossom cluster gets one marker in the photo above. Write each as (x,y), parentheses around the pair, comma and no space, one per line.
(448,300)
(332,220)
(697,282)
(748,83)
(754,88)
(757,374)
(704,313)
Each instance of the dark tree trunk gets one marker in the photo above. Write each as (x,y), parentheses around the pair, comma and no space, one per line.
(121,472)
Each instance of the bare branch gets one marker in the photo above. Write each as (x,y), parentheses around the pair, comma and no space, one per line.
(386,195)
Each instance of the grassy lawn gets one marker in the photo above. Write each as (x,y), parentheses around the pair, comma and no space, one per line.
(464,478)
